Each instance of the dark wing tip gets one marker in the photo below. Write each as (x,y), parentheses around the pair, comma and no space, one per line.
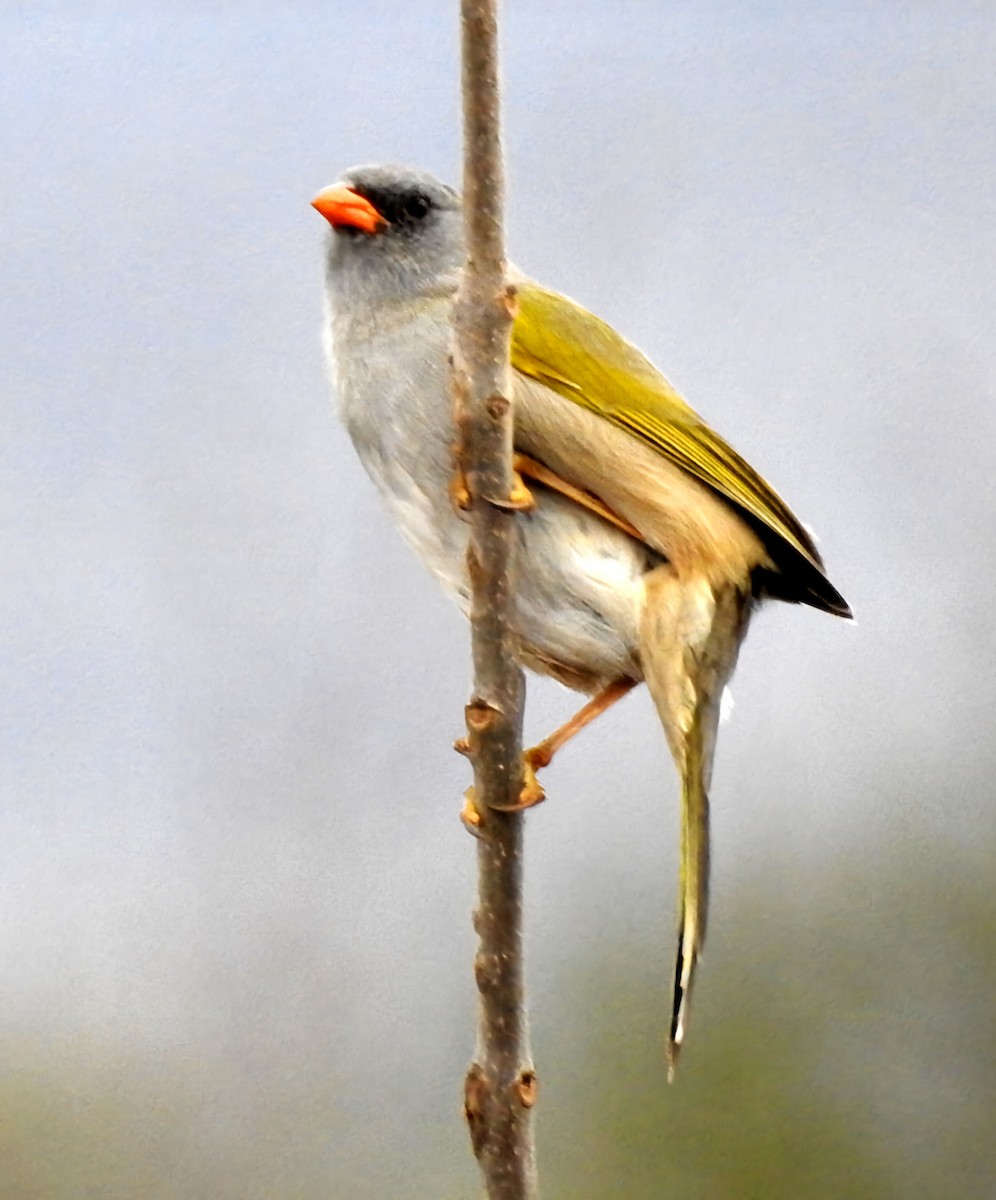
(827,598)
(798,580)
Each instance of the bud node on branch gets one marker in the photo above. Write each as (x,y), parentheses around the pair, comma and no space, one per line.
(527,1088)
(481,716)
(497,407)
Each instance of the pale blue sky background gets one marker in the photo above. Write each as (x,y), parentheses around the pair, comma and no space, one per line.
(228,691)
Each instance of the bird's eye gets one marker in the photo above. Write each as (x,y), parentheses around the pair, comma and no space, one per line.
(417,206)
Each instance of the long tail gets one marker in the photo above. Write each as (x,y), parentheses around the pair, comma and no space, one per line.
(689,639)
(693,887)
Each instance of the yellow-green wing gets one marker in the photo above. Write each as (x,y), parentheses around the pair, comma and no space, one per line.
(562,345)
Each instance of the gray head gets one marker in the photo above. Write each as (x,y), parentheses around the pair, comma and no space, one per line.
(397,233)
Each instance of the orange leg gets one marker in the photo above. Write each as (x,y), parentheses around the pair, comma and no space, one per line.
(529,468)
(523,500)
(541,755)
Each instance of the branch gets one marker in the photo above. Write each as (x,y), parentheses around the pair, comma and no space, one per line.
(500,1087)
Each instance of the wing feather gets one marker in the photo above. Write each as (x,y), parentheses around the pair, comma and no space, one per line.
(563,346)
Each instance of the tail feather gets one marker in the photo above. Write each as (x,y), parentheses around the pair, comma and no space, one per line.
(693,892)
(689,639)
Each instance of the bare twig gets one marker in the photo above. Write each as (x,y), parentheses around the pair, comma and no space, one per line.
(500,1087)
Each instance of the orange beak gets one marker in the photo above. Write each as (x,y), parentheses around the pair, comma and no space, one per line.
(344,208)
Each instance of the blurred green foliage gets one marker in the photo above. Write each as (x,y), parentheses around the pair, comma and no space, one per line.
(843,1045)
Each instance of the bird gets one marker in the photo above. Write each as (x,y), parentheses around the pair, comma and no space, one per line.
(648,541)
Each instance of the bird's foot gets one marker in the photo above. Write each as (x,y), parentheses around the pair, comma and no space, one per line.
(470,815)
(532,793)
(532,790)
(520,499)
(459,491)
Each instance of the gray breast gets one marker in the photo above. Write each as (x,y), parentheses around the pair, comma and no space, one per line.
(579,584)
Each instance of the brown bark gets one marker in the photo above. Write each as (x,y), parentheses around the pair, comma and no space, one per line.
(500,1087)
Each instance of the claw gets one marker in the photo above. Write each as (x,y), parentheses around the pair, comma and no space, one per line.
(532,794)
(520,498)
(470,816)
(532,790)
(459,492)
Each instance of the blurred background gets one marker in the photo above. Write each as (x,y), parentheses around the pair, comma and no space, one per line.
(235,937)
